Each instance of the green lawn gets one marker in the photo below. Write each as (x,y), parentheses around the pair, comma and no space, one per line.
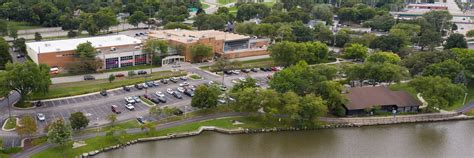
(101,142)
(83,87)
(196,77)
(224,2)
(23,25)
(10,123)
(204,6)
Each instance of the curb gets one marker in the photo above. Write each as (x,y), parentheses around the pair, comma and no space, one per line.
(9,130)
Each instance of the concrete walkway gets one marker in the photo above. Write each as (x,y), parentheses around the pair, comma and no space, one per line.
(363,121)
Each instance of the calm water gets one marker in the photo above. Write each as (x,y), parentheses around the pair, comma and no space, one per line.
(443,139)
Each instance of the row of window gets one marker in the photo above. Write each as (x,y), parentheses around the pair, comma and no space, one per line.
(125,61)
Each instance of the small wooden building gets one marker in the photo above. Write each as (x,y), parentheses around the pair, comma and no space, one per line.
(361,98)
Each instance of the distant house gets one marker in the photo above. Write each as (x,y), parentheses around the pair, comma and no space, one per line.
(361,98)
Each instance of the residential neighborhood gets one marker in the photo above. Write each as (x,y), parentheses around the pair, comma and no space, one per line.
(126,78)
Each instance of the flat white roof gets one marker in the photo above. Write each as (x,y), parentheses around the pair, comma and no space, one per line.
(71,44)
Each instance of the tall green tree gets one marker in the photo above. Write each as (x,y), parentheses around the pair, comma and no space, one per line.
(13,31)
(448,68)
(200,52)
(205,97)
(78,120)
(439,92)
(310,109)
(137,18)
(383,57)
(418,62)
(38,36)
(26,78)
(4,53)
(455,40)
(59,132)
(356,51)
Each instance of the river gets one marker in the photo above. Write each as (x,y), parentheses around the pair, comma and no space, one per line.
(453,139)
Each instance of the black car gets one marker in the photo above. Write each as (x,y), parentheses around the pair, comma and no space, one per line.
(164,81)
(89,77)
(125,88)
(155,100)
(189,92)
(139,86)
(38,103)
(177,95)
(141,72)
(141,120)
(254,69)
(246,70)
(227,72)
(162,99)
(103,93)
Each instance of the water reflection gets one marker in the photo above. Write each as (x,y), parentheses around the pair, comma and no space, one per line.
(442,139)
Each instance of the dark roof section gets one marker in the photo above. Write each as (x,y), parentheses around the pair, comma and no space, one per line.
(366,97)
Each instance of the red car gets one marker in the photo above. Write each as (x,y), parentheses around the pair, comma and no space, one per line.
(119,75)
(115,109)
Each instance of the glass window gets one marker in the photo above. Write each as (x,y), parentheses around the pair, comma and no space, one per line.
(111,63)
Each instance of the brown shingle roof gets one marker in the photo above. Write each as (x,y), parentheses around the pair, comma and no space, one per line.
(365,97)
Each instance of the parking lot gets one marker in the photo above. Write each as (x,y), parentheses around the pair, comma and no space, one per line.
(260,76)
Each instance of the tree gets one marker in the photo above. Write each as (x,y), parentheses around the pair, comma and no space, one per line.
(455,40)
(13,32)
(111,78)
(323,33)
(112,118)
(155,111)
(448,68)
(430,39)
(137,18)
(383,57)
(418,62)
(3,27)
(381,22)
(59,132)
(26,78)
(376,72)
(323,12)
(177,25)
(249,83)
(356,51)
(78,120)
(347,14)
(388,43)
(5,56)
(288,53)
(20,45)
(156,48)
(342,37)
(200,52)
(71,34)
(38,36)
(85,51)
(310,109)
(205,97)
(470,33)
(439,19)
(247,100)
(86,60)
(439,92)
(26,126)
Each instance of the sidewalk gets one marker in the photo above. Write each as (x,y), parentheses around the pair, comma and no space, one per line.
(384,120)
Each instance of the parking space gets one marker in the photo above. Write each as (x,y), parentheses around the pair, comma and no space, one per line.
(260,76)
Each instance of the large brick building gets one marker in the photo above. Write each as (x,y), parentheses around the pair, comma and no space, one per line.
(224,44)
(115,51)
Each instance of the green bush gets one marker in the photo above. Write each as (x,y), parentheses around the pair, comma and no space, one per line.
(12,150)
(340,111)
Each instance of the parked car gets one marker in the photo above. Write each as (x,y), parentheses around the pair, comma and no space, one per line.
(115,109)
(184,78)
(246,70)
(130,107)
(178,112)
(162,99)
(119,75)
(254,69)
(154,100)
(144,85)
(210,83)
(142,72)
(159,94)
(236,72)
(156,83)
(242,79)
(38,103)
(150,84)
(103,93)
(228,72)
(139,86)
(178,95)
(185,83)
(221,101)
(193,88)
(141,120)
(125,88)
(169,91)
(223,88)
(41,116)
(137,99)
(234,81)
(189,92)
(180,89)
(257,84)
(130,100)
(164,81)
(89,77)
(174,79)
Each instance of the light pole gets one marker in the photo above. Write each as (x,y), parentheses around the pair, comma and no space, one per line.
(464,101)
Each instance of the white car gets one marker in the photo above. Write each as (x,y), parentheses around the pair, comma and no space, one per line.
(236,72)
(160,94)
(130,100)
(181,84)
(137,99)
(181,89)
(211,82)
(235,81)
(184,78)
(41,116)
(185,83)
(169,91)
(242,79)
(221,101)
(145,85)
(129,106)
